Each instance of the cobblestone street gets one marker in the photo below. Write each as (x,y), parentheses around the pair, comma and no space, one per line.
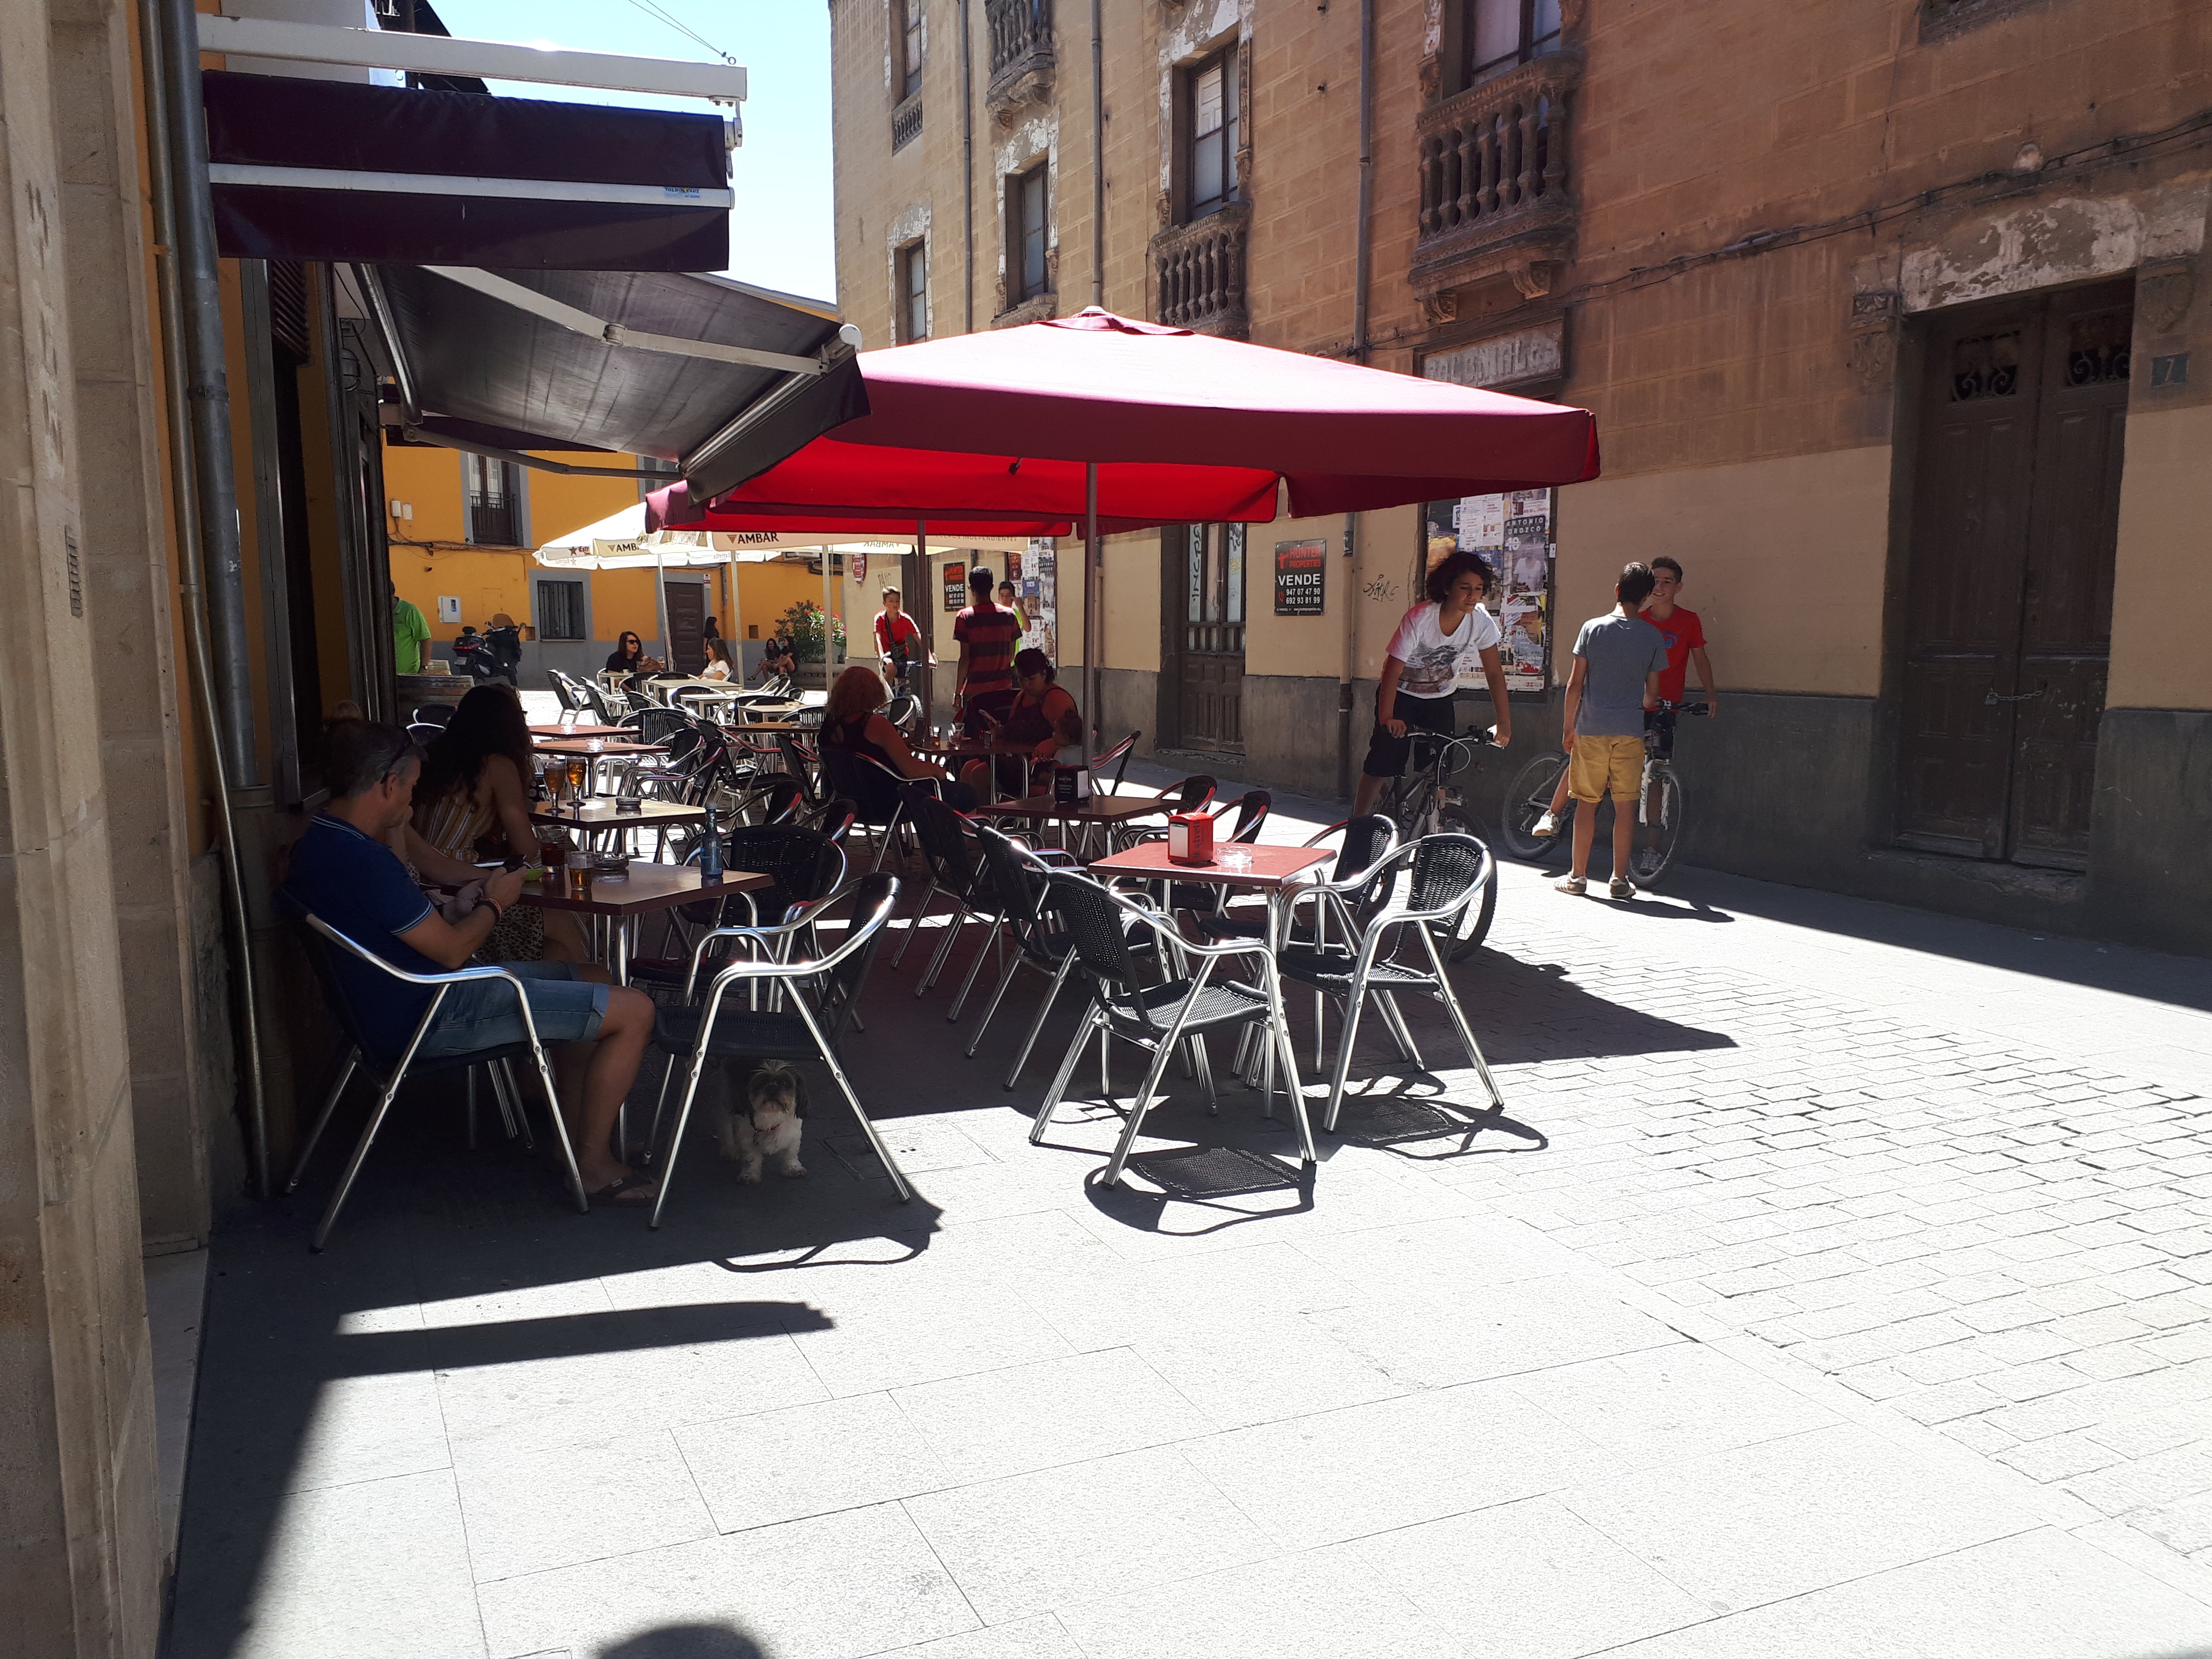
(1837,1278)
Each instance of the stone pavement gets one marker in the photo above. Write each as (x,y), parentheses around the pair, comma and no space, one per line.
(1837,1280)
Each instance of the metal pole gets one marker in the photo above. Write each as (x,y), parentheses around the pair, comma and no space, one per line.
(660,605)
(1097,178)
(1094,625)
(208,388)
(1362,268)
(917,593)
(966,199)
(183,483)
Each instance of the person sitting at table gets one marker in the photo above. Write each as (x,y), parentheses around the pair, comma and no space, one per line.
(852,720)
(628,657)
(777,657)
(719,664)
(472,802)
(342,870)
(1043,717)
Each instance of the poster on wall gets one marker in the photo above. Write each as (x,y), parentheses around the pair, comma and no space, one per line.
(955,586)
(1514,531)
(1301,577)
(1039,591)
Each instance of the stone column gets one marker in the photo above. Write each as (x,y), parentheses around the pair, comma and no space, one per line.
(78,1552)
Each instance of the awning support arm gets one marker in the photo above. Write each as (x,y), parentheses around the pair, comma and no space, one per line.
(379,310)
(597,328)
(416,434)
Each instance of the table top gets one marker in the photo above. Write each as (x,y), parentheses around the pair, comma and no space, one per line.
(580,730)
(967,746)
(600,813)
(746,728)
(1272,866)
(648,887)
(1099,809)
(606,746)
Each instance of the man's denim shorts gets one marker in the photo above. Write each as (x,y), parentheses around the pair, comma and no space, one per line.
(482,1014)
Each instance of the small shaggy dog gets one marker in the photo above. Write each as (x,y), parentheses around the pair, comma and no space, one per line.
(775,1102)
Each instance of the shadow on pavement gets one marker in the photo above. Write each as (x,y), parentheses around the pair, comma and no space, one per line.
(687,1641)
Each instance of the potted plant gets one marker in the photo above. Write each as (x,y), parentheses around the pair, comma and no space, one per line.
(802,625)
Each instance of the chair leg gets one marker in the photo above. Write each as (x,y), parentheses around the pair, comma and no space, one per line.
(659,1101)
(1401,1033)
(560,1129)
(472,1108)
(1306,1149)
(998,995)
(853,1099)
(995,939)
(913,921)
(1052,1096)
(518,1120)
(676,1139)
(943,954)
(1161,1055)
(1044,1008)
(1345,1040)
(323,1118)
(360,1155)
(1458,1022)
(1197,1046)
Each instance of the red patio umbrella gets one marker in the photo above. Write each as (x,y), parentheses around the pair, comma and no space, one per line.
(1162,424)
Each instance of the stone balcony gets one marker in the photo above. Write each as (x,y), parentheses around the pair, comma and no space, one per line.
(1198,272)
(1022,59)
(1496,191)
(905,122)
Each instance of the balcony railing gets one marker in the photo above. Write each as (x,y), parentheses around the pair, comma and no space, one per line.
(1199,272)
(1021,51)
(1495,184)
(494,521)
(905,122)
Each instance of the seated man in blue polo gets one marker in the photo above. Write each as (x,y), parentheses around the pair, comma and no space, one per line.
(344,871)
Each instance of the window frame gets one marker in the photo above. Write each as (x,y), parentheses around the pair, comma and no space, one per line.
(1019,289)
(910,43)
(1229,136)
(912,309)
(1529,45)
(475,471)
(580,617)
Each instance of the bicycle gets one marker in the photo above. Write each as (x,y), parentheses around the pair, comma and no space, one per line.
(1422,802)
(1659,803)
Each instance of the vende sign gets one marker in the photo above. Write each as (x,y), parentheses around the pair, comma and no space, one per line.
(1301,573)
(1520,359)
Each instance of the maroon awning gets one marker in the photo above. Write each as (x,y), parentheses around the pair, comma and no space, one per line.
(341,170)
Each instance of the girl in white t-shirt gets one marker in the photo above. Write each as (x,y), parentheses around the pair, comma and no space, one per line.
(1434,642)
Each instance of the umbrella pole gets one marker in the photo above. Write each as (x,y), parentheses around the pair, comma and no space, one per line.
(1094,625)
(660,605)
(917,587)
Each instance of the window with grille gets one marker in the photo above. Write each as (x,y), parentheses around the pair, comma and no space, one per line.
(494,501)
(560,610)
(1213,592)
(1496,35)
(1211,106)
(913,292)
(1025,234)
(909,32)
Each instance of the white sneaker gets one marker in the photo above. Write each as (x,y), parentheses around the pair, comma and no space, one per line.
(1547,825)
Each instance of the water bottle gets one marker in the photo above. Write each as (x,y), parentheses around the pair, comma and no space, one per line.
(710,852)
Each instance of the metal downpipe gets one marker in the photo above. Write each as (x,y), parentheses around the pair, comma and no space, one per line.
(1363,271)
(184,483)
(1097,161)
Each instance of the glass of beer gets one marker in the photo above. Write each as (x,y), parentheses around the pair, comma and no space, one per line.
(577,769)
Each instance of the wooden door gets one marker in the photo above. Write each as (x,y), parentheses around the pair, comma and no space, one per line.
(2008,592)
(687,617)
(1209,604)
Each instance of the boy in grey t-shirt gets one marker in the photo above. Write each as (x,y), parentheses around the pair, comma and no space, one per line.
(1619,658)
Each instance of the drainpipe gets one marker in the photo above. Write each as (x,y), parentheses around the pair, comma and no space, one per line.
(967,195)
(184,483)
(1363,269)
(1094,585)
(208,390)
(1097,158)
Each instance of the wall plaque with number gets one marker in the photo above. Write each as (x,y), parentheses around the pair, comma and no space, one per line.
(1301,577)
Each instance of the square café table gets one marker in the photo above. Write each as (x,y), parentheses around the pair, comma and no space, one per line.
(621,901)
(1107,812)
(1275,871)
(580,730)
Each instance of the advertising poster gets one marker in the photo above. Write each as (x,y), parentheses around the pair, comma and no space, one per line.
(1039,589)
(1514,531)
(1301,577)
(955,586)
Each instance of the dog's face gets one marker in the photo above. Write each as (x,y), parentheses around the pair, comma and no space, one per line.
(775,1094)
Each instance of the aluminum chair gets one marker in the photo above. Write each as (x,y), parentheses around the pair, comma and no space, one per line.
(1118,759)
(1158,1018)
(1444,874)
(388,1069)
(877,793)
(817,999)
(1017,877)
(954,871)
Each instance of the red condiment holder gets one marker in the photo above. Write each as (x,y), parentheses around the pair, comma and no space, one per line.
(1190,838)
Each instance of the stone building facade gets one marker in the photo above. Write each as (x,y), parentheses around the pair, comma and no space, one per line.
(1887,312)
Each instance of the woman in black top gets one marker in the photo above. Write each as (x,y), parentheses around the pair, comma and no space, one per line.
(628,657)
(852,720)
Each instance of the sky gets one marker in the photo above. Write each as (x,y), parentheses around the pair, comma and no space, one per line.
(782,235)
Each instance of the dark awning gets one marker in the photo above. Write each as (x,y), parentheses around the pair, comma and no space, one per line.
(474,350)
(337,170)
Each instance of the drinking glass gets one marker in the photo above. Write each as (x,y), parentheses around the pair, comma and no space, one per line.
(577,768)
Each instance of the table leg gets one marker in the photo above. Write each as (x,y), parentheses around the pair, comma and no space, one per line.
(621,943)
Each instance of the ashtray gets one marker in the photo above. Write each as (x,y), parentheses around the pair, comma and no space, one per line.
(630,803)
(611,866)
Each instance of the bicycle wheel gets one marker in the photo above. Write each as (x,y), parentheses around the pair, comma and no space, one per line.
(1658,828)
(1528,798)
(1460,943)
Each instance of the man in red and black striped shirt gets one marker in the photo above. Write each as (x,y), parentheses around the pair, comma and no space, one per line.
(989,635)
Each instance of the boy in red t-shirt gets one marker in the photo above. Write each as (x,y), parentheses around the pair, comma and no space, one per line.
(1686,646)
(898,639)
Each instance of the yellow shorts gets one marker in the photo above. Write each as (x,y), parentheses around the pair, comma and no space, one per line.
(1600,765)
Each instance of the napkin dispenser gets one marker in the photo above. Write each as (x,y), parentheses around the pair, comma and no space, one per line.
(1190,838)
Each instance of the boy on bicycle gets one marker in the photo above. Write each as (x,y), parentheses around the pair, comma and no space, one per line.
(1421,668)
(1685,635)
(1619,660)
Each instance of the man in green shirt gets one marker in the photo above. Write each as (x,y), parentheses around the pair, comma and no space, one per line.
(411,636)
